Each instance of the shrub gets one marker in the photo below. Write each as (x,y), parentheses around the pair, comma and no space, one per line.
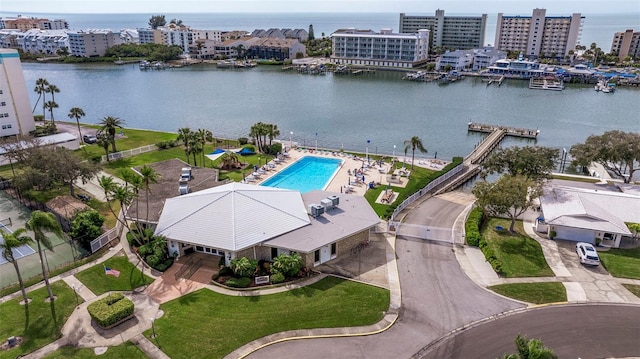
(277,278)
(243,141)
(472,226)
(162,266)
(288,265)
(110,309)
(163,145)
(242,282)
(244,267)
(225,271)
(86,226)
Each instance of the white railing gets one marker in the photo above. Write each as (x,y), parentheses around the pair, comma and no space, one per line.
(104,239)
(430,186)
(129,153)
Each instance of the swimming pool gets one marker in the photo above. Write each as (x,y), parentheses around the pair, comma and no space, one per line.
(306,174)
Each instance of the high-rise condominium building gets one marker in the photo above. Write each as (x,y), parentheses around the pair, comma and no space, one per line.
(451,32)
(539,35)
(626,44)
(15,111)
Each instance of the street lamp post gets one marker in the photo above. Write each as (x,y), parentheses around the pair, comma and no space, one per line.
(153,328)
(290,140)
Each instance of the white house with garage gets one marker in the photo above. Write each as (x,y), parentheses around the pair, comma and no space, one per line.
(584,215)
(243,220)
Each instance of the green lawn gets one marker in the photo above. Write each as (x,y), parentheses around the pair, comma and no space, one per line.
(420,177)
(98,282)
(624,263)
(127,350)
(537,293)
(520,255)
(40,322)
(213,325)
(635,289)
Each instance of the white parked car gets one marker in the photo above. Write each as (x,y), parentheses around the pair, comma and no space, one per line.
(587,254)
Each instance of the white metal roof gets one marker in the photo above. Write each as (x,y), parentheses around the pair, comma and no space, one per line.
(232,216)
(590,209)
(353,215)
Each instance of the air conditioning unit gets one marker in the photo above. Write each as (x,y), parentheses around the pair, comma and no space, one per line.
(315,209)
(335,200)
(327,204)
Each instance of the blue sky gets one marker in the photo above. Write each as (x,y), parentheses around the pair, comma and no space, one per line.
(516,7)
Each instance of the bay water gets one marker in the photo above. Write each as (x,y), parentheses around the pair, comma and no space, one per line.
(373,112)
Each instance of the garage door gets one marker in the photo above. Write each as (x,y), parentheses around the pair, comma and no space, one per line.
(575,234)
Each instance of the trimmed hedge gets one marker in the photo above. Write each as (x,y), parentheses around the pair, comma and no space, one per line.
(472,226)
(110,309)
(243,282)
(277,278)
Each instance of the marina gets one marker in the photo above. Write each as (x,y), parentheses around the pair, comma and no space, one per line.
(546,83)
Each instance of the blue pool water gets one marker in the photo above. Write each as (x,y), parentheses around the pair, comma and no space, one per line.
(306,174)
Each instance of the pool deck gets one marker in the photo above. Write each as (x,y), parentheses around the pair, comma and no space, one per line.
(341,179)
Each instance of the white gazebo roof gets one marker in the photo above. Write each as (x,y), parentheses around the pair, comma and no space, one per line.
(232,217)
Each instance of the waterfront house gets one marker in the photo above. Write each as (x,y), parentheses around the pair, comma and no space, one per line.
(485,57)
(588,215)
(241,220)
(90,43)
(459,60)
(42,41)
(516,69)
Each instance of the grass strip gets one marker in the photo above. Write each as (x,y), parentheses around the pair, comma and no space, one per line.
(127,350)
(98,282)
(622,263)
(519,255)
(537,293)
(40,322)
(213,325)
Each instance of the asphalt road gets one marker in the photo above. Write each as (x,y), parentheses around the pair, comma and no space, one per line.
(572,331)
(437,297)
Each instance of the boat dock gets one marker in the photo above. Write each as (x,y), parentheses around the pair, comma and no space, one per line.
(509,131)
(494,79)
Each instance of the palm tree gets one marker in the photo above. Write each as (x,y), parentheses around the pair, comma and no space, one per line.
(414,143)
(77,113)
(107,183)
(204,136)
(184,135)
(41,90)
(51,105)
(104,141)
(272,132)
(149,176)
(39,222)
(53,90)
(11,241)
(109,125)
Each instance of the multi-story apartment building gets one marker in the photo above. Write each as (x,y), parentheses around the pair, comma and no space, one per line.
(213,35)
(539,35)
(42,41)
(150,36)
(300,34)
(626,44)
(384,49)
(451,32)
(276,48)
(28,23)
(90,43)
(16,118)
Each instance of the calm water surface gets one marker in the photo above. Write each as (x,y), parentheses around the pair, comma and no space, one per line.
(336,111)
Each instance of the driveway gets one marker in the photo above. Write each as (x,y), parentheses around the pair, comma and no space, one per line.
(437,297)
(597,283)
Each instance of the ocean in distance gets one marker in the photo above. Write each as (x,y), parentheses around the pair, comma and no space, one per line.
(336,111)
(598,28)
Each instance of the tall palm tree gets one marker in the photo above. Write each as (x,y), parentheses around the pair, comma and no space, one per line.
(185,136)
(50,105)
(53,90)
(11,241)
(107,183)
(204,136)
(414,143)
(109,125)
(272,132)
(149,176)
(39,222)
(103,140)
(41,90)
(77,113)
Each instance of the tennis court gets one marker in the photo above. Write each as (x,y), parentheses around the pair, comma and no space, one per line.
(19,252)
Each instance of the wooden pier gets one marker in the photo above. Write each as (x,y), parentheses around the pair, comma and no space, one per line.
(509,131)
